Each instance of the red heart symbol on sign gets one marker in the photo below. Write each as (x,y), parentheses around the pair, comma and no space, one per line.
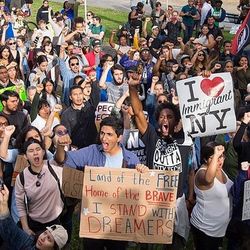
(214,87)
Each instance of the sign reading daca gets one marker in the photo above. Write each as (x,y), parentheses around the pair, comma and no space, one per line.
(207,105)
(124,204)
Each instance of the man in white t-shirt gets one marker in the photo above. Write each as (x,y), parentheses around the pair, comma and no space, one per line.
(121,48)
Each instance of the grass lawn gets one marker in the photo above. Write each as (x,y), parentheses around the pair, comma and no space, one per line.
(111,19)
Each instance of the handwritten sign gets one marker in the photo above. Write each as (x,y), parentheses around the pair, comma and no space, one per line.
(20,165)
(246,201)
(135,145)
(103,110)
(72,182)
(123,204)
(207,105)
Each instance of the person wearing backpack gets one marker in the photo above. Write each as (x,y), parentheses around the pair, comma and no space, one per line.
(39,198)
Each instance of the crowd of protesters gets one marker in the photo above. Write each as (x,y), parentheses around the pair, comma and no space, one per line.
(52,79)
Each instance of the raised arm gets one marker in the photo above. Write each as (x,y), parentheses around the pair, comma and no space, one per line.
(60,154)
(136,103)
(144,29)
(206,177)
(238,136)
(111,39)
(8,131)
(107,66)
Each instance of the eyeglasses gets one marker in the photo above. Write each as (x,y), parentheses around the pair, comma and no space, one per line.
(61,132)
(89,15)
(201,55)
(74,64)
(39,176)
(12,43)
(3,124)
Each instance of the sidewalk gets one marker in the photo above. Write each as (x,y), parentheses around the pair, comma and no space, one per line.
(124,5)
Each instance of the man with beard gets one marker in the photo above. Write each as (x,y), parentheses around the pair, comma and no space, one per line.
(79,118)
(165,153)
(119,86)
(10,100)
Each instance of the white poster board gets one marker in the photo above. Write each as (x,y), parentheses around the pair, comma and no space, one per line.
(246,201)
(207,105)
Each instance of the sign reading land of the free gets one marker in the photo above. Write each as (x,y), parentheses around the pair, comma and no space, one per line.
(123,204)
(207,104)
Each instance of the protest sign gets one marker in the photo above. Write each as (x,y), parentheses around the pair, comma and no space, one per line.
(72,182)
(20,165)
(207,105)
(103,110)
(135,145)
(246,201)
(123,204)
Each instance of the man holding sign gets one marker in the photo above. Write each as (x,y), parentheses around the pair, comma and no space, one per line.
(109,153)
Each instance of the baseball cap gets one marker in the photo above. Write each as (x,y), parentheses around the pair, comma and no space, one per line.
(96,42)
(144,49)
(197,40)
(59,234)
(155,27)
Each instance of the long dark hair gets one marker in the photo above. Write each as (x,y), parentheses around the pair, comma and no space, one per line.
(47,43)
(2,48)
(44,93)
(21,137)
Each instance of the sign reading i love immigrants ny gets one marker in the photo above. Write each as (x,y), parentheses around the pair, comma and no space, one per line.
(123,204)
(207,105)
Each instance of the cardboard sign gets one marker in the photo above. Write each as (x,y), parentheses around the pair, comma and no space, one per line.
(123,204)
(20,165)
(72,182)
(103,110)
(246,201)
(135,145)
(207,105)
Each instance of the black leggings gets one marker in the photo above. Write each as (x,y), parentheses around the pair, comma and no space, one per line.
(205,242)
(38,227)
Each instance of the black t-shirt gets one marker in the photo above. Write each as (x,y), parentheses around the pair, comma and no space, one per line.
(166,154)
(215,32)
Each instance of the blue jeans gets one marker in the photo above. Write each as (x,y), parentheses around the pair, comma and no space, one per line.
(15,236)
(188,32)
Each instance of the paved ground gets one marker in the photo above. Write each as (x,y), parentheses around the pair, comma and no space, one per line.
(229,5)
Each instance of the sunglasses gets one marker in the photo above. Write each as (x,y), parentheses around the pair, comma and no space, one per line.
(12,43)
(61,132)
(162,101)
(74,64)
(89,15)
(39,176)
(201,55)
